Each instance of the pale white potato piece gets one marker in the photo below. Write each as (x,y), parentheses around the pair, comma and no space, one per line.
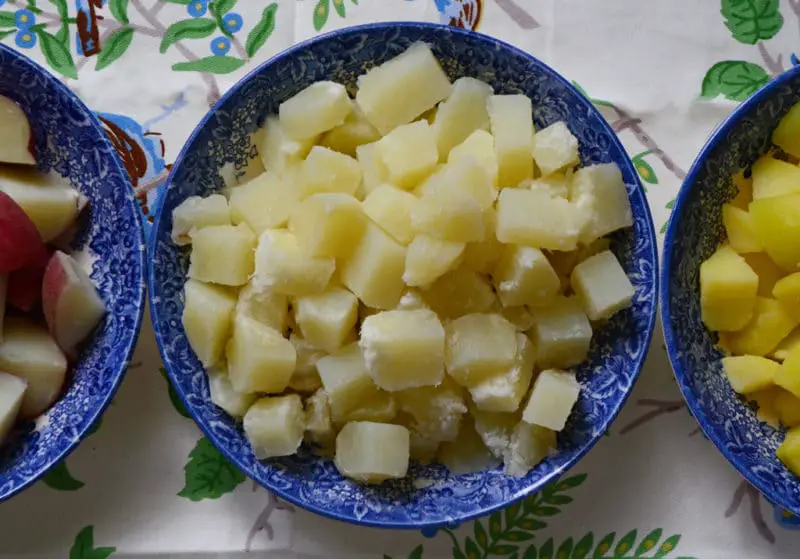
(326,319)
(224,395)
(278,152)
(449,214)
(412,300)
(534,218)
(325,170)
(403,349)
(283,266)
(381,408)
(602,286)
(398,91)
(260,359)
(521,317)
(482,256)
(503,392)
(346,381)
(372,452)
(265,306)
(355,131)
(195,213)
(305,377)
(316,109)
(328,224)
(480,147)
(274,426)
(373,172)
(529,445)
(555,148)
(390,208)
(408,154)
(319,428)
(222,254)
(552,398)
(512,127)
(207,319)
(562,333)
(459,292)
(12,392)
(465,175)
(599,191)
(461,114)
(524,276)
(436,411)
(428,259)
(374,270)
(264,202)
(466,454)
(556,185)
(479,346)
(495,429)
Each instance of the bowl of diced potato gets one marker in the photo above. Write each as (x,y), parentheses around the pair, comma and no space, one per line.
(731,289)
(403,275)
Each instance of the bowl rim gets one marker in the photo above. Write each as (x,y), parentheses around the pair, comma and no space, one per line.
(438,28)
(141,251)
(717,136)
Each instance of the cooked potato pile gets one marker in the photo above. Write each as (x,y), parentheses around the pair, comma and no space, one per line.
(409,277)
(750,287)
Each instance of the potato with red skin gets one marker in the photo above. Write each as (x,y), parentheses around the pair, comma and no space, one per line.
(20,242)
(25,284)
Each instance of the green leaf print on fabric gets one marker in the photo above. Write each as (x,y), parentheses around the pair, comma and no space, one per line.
(751,21)
(60,479)
(219,8)
(736,80)
(669,206)
(84,548)
(57,54)
(321,13)
(173,396)
(119,9)
(114,47)
(211,64)
(262,31)
(208,474)
(7,19)
(644,168)
(187,29)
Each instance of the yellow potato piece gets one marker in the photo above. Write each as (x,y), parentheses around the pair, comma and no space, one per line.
(770,324)
(777,225)
(408,153)
(789,451)
(728,289)
(787,291)
(222,254)
(328,224)
(787,135)
(207,315)
(511,119)
(739,227)
(749,373)
(391,208)
(773,177)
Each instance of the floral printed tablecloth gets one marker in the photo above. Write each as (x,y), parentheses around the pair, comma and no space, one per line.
(146,483)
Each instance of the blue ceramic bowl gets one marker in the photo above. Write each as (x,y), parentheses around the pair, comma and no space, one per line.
(70,141)
(695,231)
(222,138)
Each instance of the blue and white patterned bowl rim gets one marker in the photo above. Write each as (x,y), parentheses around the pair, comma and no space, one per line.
(649,240)
(717,136)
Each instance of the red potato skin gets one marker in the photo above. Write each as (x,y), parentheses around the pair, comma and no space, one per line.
(56,278)
(25,285)
(20,242)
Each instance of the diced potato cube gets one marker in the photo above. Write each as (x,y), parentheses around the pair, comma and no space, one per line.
(553,396)
(556,185)
(373,171)
(260,359)
(328,224)
(279,152)
(787,345)
(356,131)
(466,454)
(787,135)
(495,429)
(773,177)
(461,114)
(268,308)
(207,315)
(398,91)
(265,202)
(479,346)
(327,318)
(374,270)
(305,377)
(437,411)
(787,374)
(777,225)
(534,218)
(480,147)
(789,451)
(504,391)
(511,118)
(325,170)
(222,254)
(787,291)
(744,194)
(428,259)
(282,266)
(602,286)
(12,393)
(195,213)
(452,215)
(521,317)
(749,373)
(525,277)
(529,445)
(346,381)
(319,428)
(599,191)
(274,426)
(316,109)
(482,256)
(555,148)
(787,406)
(372,452)
(562,333)
(381,408)
(391,208)
(458,293)
(727,291)
(767,271)
(464,175)
(408,153)
(739,226)
(770,324)
(765,404)
(412,300)
(403,349)
(225,396)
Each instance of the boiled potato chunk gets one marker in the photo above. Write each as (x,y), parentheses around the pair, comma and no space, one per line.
(767,271)
(466,454)
(373,171)
(480,147)
(458,293)
(391,208)
(749,373)
(770,324)
(495,429)
(524,276)
(504,391)
(225,396)
(12,392)
(787,291)
(346,381)
(222,254)
(534,218)
(728,289)
(479,346)
(382,408)
(319,428)
(555,184)
(553,396)
(398,91)
(428,259)
(265,202)
(482,256)
(602,285)
(773,177)
(739,227)
(284,266)
(372,452)
(355,131)
(555,148)
(777,225)
(408,153)
(451,215)
(260,359)
(511,119)
(325,170)
(600,192)
(437,411)
(529,445)
(465,175)
(305,377)
(787,135)
(403,349)
(195,213)
(274,426)
(461,114)
(521,317)
(562,333)
(744,193)
(316,109)
(765,404)
(328,224)
(207,319)
(789,451)
(787,345)
(374,270)
(279,152)
(787,374)
(326,319)
(787,406)
(412,300)
(267,307)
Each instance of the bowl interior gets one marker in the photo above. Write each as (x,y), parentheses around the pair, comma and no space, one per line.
(694,233)
(70,142)
(223,139)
